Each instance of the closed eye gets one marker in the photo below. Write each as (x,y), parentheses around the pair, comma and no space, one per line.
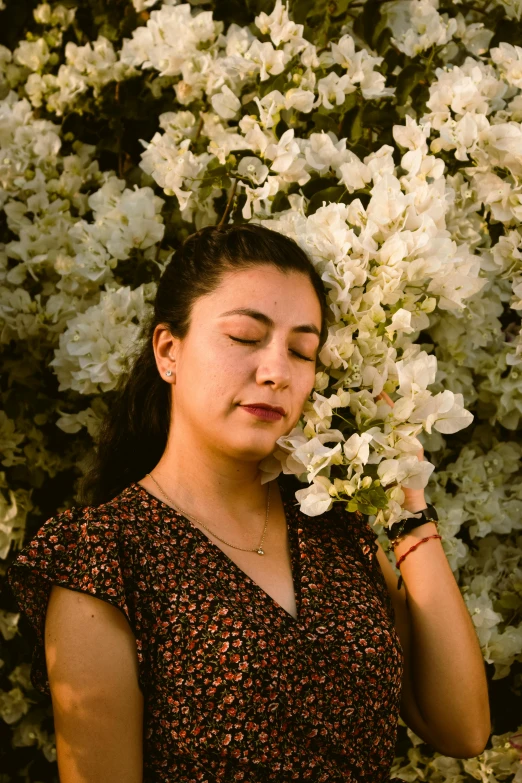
(253,342)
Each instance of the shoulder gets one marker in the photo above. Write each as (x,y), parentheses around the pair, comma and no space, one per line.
(72,527)
(81,548)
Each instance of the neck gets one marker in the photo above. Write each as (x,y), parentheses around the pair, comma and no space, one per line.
(226,487)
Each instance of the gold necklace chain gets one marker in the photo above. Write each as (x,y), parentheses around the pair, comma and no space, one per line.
(259,550)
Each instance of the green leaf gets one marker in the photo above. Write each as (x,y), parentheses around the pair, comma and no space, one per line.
(338,7)
(204,192)
(274,83)
(216,167)
(316,184)
(280,202)
(250,108)
(391,59)
(379,117)
(300,10)
(240,154)
(280,128)
(367,22)
(329,195)
(509,601)
(377,497)
(357,125)
(367,509)
(383,42)
(325,122)
(349,115)
(407,80)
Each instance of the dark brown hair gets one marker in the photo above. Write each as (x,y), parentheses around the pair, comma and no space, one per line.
(133,435)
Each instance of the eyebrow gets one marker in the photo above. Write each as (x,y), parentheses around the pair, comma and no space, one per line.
(265,319)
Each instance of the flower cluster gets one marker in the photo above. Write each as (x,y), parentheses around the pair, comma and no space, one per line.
(416,237)
(501,762)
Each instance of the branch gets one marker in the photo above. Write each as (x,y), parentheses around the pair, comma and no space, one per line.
(229,202)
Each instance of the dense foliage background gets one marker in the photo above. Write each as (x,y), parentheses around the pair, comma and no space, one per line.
(387,139)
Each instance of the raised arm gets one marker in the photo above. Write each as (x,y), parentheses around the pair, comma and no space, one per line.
(445,695)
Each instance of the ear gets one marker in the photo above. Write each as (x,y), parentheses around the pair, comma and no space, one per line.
(166,348)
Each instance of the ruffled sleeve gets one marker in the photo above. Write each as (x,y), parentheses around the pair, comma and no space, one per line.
(79,549)
(358,529)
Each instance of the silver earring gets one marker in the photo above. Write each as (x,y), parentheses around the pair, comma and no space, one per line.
(169,373)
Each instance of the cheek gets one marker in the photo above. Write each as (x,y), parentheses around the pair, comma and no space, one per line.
(307,380)
(220,376)
(301,393)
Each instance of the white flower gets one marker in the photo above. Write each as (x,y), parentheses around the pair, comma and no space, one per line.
(286,160)
(141,5)
(270,106)
(323,151)
(357,449)
(270,61)
(315,499)
(334,88)
(412,135)
(444,411)
(95,344)
(170,39)
(278,25)
(509,60)
(354,175)
(33,54)
(417,374)
(401,322)
(58,16)
(426,27)
(253,168)
(225,103)
(408,471)
(504,143)
(173,166)
(299,99)
(484,618)
(313,456)
(258,199)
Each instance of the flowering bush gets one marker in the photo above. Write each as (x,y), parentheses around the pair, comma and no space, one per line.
(386,139)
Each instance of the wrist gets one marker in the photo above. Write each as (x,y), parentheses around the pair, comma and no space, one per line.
(415,504)
(419,517)
(406,541)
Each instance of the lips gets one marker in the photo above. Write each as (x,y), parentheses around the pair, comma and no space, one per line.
(265,406)
(266,413)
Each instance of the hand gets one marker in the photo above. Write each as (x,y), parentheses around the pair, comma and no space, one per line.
(413,498)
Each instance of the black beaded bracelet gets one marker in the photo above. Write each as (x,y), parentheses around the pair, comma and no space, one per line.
(395,532)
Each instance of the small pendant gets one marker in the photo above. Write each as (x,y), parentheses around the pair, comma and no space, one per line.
(260,552)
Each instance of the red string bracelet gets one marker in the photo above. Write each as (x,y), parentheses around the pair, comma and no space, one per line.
(399,583)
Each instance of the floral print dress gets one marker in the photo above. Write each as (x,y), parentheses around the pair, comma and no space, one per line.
(235,688)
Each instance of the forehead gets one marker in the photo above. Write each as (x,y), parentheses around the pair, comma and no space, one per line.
(281,294)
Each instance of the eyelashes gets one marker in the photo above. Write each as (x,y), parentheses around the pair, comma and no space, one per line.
(253,342)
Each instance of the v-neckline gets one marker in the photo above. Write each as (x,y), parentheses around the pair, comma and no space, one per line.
(293,542)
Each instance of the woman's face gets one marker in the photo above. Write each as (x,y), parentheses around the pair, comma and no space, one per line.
(215,374)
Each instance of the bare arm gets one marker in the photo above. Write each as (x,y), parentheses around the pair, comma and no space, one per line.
(92,664)
(445,695)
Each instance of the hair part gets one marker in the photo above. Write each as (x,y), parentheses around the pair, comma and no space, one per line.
(133,435)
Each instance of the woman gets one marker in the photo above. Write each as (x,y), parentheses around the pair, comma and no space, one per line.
(236,638)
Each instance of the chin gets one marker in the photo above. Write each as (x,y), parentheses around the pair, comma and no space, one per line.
(254,451)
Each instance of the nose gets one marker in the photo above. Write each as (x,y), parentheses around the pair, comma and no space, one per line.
(274,365)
